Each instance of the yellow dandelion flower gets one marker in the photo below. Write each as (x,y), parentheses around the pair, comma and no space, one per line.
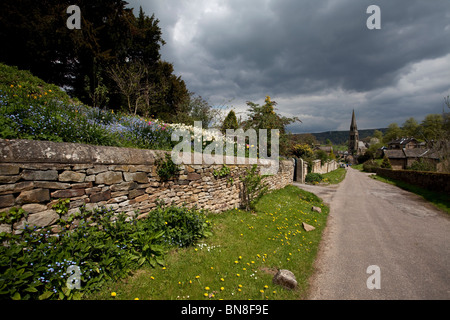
(113,294)
(206,288)
(222,288)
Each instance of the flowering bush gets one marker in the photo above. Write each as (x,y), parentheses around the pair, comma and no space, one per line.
(33,109)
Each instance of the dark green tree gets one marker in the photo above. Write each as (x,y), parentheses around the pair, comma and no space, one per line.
(230,122)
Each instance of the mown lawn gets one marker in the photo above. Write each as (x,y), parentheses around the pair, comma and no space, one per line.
(240,259)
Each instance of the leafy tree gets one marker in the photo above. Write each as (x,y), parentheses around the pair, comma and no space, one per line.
(431,127)
(265,117)
(35,37)
(302,151)
(410,127)
(230,121)
(393,132)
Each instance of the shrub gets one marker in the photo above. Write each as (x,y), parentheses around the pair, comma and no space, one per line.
(313,177)
(386,164)
(36,264)
(370,166)
(166,168)
(252,188)
(422,165)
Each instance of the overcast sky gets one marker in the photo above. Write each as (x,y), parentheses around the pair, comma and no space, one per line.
(316,58)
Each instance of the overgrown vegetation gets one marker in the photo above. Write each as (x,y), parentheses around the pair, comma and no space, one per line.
(103,244)
(239,260)
(313,177)
(253,187)
(166,168)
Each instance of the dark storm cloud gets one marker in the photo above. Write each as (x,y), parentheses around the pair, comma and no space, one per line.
(317,57)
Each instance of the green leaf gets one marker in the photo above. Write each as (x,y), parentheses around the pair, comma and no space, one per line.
(31,289)
(16,296)
(141,261)
(45,295)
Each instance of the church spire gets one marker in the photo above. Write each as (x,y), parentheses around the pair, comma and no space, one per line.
(353,126)
(354,136)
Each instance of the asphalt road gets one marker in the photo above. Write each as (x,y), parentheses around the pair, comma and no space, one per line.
(376,224)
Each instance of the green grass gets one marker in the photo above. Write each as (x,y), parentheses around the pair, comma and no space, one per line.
(440,200)
(239,260)
(336,176)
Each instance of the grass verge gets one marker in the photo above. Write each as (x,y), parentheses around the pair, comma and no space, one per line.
(439,200)
(240,259)
(335,176)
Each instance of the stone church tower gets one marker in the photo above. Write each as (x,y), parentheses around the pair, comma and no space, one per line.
(354,137)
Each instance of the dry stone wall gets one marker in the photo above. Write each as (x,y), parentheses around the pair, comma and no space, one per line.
(35,174)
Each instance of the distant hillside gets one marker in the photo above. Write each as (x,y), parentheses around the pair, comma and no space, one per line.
(341,137)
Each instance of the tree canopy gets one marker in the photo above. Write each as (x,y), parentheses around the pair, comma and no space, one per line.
(35,37)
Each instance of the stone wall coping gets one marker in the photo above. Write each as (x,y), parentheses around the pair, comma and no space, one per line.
(35,151)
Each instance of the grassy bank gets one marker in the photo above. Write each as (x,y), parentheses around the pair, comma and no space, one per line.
(336,176)
(439,200)
(240,259)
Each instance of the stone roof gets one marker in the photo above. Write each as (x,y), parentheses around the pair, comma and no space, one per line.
(411,153)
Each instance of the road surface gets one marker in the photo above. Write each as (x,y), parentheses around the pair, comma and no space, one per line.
(403,240)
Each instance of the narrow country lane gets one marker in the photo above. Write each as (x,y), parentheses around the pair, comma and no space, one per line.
(376,224)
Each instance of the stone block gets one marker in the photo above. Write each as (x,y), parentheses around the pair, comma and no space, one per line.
(51,185)
(135,193)
(42,219)
(102,196)
(34,207)
(8,169)
(38,175)
(307,227)
(140,177)
(316,209)
(193,176)
(72,176)
(33,196)
(9,179)
(109,177)
(69,193)
(285,278)
(6,201)
(131,185)
(16,187)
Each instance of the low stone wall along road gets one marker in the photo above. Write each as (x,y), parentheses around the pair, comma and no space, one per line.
(381,242)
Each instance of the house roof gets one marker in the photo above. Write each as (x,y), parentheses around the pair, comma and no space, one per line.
(411,153)
(403,141)
(394,154)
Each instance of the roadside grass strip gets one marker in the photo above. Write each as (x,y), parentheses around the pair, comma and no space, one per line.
(239,261)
